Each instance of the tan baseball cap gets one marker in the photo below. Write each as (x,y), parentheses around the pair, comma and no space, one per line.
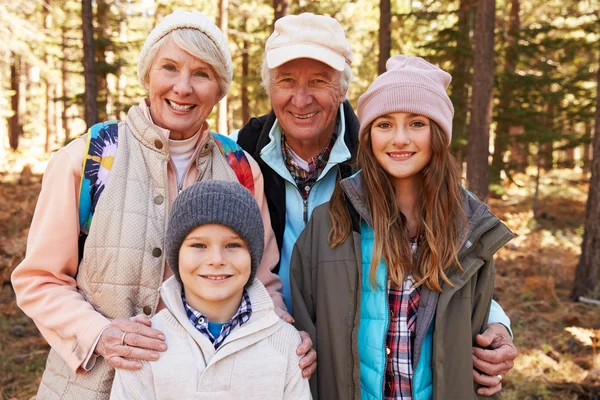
(308,36)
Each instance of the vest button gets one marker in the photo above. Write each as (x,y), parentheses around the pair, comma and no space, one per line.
(159,199)
(158,144)
(147,310)
(387,351)
(156,252)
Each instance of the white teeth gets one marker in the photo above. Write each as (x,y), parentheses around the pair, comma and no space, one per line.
(305,116)
(217,278)
(180,107)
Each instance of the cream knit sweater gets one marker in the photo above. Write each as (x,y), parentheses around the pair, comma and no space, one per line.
(257,360)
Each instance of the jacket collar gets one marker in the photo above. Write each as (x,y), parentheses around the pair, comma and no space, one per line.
(263,323)
(147,132)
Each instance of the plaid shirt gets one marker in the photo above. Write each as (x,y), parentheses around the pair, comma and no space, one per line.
(200,321)
(306,179)
(400,340)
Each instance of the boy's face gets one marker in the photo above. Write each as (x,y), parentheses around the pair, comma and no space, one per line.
(214,264)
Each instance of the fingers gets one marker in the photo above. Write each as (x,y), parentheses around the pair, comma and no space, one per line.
(142,319)
(306,344)
(308,363)
(494,336)
(127,340)
(495,366)
(286,317)
(490,384)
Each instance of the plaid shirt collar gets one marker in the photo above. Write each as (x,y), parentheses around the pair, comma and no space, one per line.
(305,179)
(200,321)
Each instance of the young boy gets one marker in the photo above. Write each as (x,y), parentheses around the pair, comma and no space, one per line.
(224,339)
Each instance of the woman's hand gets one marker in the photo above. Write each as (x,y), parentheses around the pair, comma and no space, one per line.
(128,339)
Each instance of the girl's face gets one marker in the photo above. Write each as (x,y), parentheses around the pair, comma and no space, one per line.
(401,143)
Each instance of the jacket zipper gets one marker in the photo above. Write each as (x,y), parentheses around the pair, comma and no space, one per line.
(356,290)
(305,201)
(387,326)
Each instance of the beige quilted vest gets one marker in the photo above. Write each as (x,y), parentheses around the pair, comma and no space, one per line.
(123,262)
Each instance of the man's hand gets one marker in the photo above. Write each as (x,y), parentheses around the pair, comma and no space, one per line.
(494,359)
(127,340)
(308,363)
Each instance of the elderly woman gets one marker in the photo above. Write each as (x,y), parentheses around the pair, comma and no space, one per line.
(93,311)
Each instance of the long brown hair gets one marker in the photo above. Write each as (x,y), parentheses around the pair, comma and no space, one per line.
(441,212)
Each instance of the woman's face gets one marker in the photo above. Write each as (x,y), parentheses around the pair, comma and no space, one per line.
(401,143)
(182,90)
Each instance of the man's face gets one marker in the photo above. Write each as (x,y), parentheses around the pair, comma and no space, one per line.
(306,96)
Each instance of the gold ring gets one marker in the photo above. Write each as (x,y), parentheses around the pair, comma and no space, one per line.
(125,333)
(499,378)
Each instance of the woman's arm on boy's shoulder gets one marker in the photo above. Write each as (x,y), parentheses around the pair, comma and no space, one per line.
(296,386)
(133,384)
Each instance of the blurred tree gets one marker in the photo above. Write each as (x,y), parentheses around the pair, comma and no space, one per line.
(281,8)
(385,40)
(222,115)
(49,79)
(462,60)
(15,129)
(587,274)
(506,83)
(89,64)
(483,82)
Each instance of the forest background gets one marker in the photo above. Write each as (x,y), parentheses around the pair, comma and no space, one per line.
(526,128)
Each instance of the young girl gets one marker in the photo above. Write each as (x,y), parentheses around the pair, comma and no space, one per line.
(394,277)
(223,336)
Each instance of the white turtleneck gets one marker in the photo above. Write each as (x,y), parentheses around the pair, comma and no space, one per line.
(181,152)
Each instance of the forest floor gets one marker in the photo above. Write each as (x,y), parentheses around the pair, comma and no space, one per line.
(534,278)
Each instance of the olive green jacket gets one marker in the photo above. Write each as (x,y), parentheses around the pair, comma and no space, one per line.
(326,300)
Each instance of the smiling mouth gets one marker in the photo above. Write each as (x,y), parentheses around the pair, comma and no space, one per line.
(180,107)
(401,155)
(304,116)
(216,277)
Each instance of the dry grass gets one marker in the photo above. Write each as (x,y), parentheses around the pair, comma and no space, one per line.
(534,278)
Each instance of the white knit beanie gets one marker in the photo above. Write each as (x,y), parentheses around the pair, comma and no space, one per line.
(410,85)
(181,19)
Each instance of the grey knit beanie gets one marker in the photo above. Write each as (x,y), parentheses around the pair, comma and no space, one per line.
(412,85)
(215,202)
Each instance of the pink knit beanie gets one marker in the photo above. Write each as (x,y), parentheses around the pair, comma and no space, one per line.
(410,85)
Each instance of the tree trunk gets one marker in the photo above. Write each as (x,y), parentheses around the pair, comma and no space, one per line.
(385,34)
(65,92)
(49,83)
(502,138)
(483,81)
(588,269)
(461,79)
(222,117)
(587,149)
(245,98)
(101,41)
(281,8)
(14,124)
(89,65)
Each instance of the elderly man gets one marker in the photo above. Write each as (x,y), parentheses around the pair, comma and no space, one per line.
(306,144)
